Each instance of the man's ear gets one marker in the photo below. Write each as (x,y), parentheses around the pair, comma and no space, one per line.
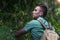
(41,14)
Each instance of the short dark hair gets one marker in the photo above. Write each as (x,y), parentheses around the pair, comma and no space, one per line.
(44,9)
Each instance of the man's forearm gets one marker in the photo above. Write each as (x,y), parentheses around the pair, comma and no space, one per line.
(19,33)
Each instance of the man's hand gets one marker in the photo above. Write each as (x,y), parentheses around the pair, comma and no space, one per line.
(19,33)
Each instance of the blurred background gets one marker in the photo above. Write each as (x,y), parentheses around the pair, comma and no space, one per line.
(14,14)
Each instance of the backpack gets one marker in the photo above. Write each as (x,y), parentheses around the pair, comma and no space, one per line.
(48,34)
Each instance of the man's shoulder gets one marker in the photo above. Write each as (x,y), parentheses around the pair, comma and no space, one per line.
(33,22)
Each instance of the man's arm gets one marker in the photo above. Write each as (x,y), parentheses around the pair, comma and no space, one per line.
(26,28)
(19,33)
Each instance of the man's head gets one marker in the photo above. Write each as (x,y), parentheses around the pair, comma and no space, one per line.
(39,11)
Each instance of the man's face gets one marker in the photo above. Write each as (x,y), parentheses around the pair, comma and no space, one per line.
(37,12)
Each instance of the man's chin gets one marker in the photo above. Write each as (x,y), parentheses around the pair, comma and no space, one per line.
(35,18)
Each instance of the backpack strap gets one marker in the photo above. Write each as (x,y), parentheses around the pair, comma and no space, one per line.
(43,25)
(50,26)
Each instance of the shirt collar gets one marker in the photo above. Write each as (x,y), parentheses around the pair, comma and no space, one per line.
(39,18)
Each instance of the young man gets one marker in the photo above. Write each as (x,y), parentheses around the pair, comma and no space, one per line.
(34,25)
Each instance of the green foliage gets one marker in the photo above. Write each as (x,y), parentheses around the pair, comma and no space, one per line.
(6,33)
(16,13)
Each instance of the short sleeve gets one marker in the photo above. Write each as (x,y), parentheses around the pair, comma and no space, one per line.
(28,26)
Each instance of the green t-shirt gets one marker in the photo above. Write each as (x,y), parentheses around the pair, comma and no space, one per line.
(36,28)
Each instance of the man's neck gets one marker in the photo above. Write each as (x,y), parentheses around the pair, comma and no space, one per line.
(37,18)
